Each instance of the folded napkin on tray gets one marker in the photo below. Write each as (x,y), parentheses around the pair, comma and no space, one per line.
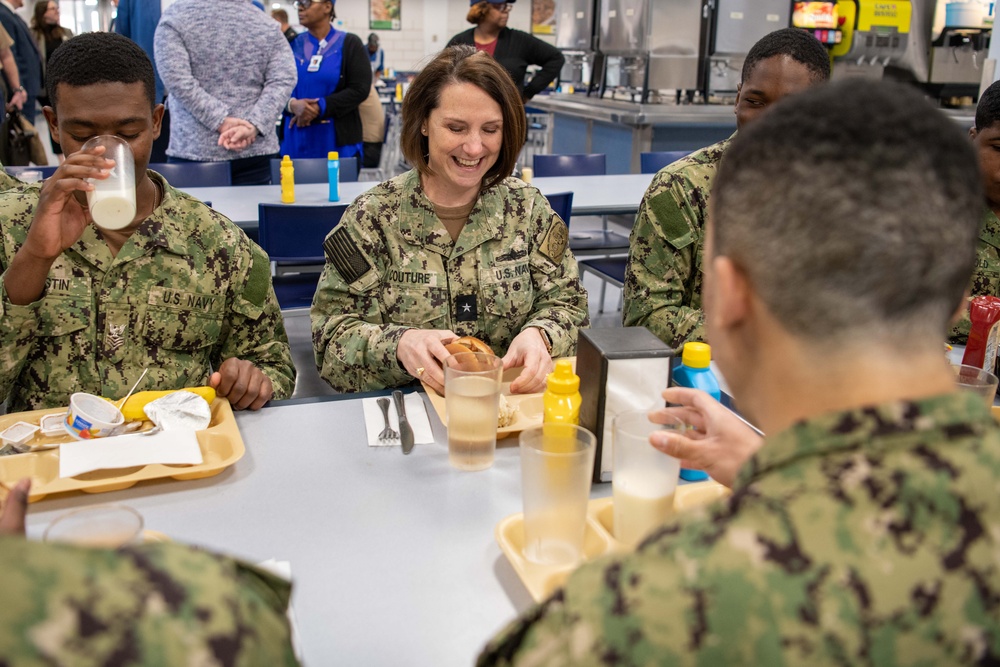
(124,451)
(416,414)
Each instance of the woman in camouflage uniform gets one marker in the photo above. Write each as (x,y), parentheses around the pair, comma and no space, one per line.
(454,247)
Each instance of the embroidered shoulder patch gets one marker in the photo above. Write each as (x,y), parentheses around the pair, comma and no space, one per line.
(346,257)
(671,219)
(555,241)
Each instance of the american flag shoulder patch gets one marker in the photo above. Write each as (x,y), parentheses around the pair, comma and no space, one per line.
(342,251)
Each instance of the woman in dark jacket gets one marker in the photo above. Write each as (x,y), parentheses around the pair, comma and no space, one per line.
(513,49)
(335,77)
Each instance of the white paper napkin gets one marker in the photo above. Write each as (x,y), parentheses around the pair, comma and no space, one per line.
(124,451)
(416,414)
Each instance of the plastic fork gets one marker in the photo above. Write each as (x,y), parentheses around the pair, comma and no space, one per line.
(387,434)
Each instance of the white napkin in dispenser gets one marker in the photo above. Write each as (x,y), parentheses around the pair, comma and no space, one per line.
(620,370)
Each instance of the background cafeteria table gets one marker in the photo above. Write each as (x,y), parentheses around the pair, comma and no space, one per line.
(393,557)
(592,195)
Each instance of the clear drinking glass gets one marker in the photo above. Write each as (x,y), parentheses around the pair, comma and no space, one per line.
(557,465)
(103,526)
(112,201)
(982,382)
(472,398)
(644,479)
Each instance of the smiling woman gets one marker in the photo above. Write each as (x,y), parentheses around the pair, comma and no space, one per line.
(456,247)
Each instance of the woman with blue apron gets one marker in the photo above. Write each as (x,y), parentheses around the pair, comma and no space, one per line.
(322,114)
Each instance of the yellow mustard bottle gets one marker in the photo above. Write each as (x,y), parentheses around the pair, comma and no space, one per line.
(561,400)
(561,403)
(287,181)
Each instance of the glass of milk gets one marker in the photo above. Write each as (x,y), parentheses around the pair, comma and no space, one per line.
(112,201)
(644,479)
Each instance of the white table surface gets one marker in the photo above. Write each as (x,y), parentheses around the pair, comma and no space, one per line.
(592,195)
(393,557)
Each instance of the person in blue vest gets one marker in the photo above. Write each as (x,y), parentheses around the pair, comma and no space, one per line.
(335,77)
(137,20)
(29,62)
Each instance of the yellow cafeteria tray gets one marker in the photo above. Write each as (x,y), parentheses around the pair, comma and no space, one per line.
(529,406)
(221,447)
(542,580)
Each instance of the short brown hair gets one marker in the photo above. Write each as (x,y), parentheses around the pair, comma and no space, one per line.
(463,64)
(280,15)
(478,12)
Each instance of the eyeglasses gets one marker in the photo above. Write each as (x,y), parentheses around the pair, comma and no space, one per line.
(306,4)
(501,7)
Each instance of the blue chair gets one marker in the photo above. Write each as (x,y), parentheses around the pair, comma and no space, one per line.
(576,164)
(601,242)
(650,163)
(562,204)
(293,236)
(16,171)
(313,170)
(611,270)
(194,174)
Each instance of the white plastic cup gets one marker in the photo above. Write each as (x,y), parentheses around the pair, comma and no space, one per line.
(112,201)
(644,479)
(557,465)
(100,526)
(977,380)
(91,416)
(472,399)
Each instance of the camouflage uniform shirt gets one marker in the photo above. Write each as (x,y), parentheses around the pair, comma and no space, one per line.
(986,277)
(392,266)
(663,274)
(865,537)
(186,291)
(155,605)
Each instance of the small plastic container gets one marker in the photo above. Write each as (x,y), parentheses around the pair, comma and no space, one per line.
(91,416)
(52,425)
(19,433)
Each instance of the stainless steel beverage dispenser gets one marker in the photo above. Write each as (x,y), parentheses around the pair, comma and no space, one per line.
(575,38)
(738,26)
(652,44)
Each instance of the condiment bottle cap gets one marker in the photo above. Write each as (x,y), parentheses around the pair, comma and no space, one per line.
(696,355)
(563,380)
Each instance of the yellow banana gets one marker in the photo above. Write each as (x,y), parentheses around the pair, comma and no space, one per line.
(134,406)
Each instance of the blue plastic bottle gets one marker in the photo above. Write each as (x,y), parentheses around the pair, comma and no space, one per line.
(694,372)
(333,172)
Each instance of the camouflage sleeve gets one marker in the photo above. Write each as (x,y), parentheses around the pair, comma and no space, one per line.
(254,329)
(354,347)
(560,307)
(18,325)
(156,604)
(611,607)
(662,276)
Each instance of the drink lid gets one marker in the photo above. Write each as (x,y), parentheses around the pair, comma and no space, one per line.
(696,355)
(563,380)
(333,155)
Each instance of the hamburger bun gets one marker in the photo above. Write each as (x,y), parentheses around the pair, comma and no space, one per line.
(470,344)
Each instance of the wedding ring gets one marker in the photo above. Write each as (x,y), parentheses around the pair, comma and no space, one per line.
(420,371)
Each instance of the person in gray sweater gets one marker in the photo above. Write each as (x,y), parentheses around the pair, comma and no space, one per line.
(228,72)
